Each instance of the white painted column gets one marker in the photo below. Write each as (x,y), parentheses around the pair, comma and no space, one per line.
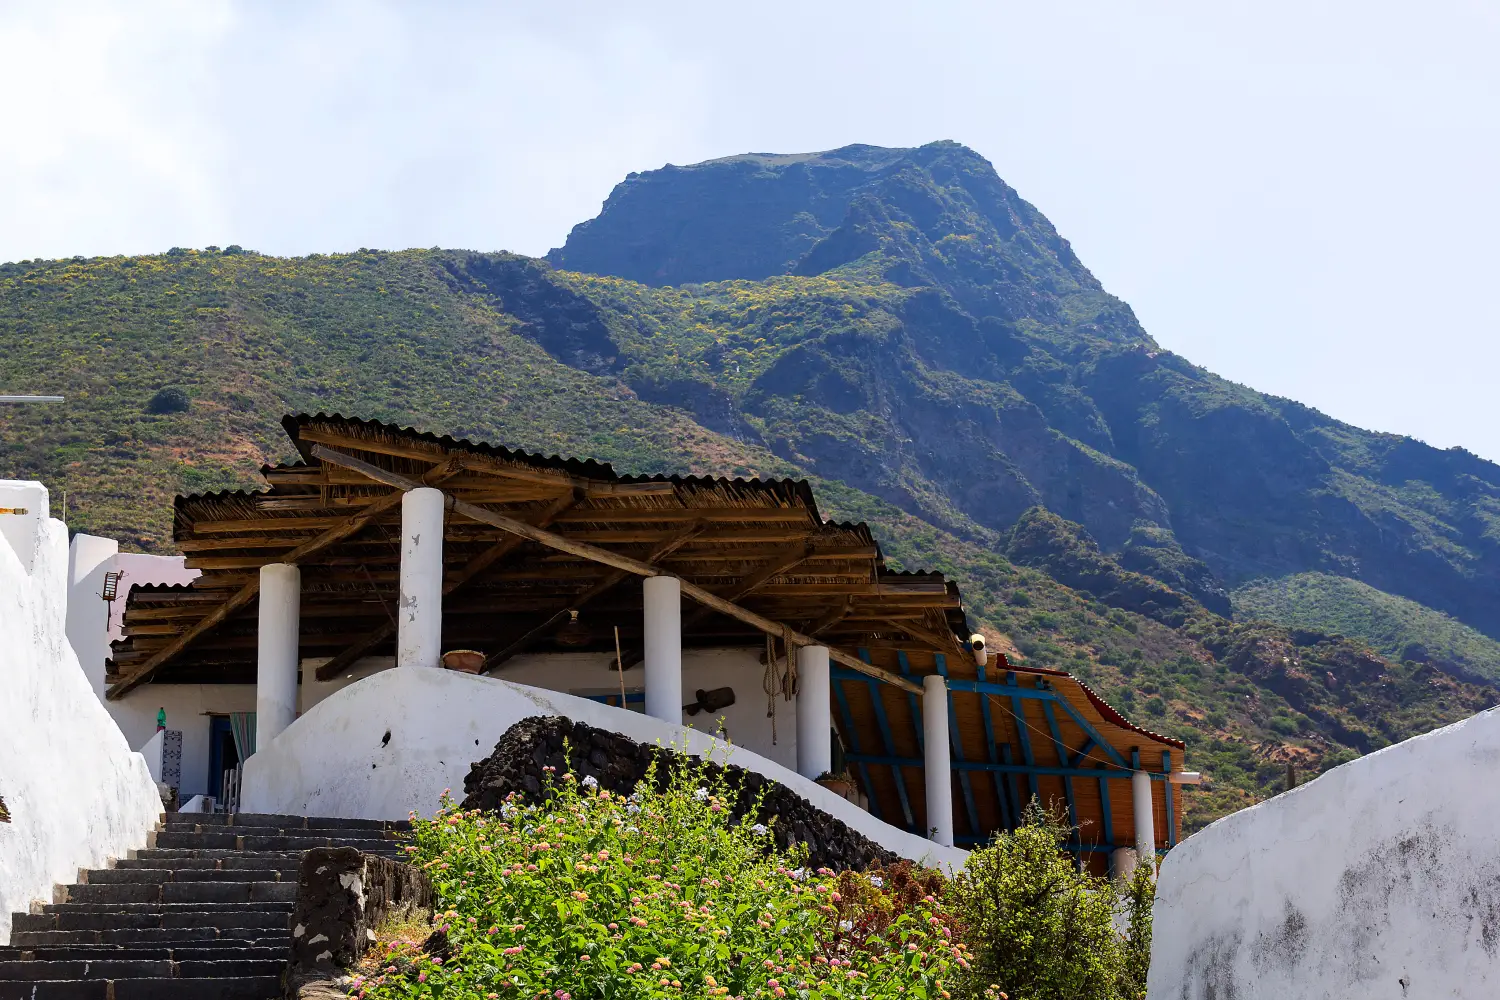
(814,713)
(938,778)
(663,645)
(1121,865)
(419,627)
(280,621)
(1145,819)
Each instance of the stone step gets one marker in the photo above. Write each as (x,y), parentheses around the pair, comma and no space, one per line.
(202,951)
(72,989)
(206,908)
(161,876)
(240,892)
(285,822)
(261,841)
(212,988)
(116,968)
(93,919)
(250,937)
(204,913)
(179,857)
(326,833)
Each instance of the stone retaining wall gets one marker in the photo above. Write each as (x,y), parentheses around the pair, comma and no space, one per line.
(619,763)
(342,894)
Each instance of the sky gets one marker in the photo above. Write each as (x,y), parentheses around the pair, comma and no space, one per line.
(1304,198)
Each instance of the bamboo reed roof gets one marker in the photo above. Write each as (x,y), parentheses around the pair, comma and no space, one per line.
(722,534)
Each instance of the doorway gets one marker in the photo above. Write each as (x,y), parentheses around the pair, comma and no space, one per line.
(223,755)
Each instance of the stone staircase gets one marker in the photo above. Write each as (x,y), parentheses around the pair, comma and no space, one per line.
(202,914)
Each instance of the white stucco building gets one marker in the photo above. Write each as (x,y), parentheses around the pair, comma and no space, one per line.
(75,793)
(387,557)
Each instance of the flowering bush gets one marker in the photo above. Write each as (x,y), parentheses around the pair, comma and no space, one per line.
(658,895)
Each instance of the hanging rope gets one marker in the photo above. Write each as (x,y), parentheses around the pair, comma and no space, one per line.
(772,683)
(789,682)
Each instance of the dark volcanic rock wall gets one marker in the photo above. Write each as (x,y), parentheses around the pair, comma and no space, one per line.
(619,763)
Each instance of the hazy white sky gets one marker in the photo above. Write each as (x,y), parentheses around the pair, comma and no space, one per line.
(1302,197)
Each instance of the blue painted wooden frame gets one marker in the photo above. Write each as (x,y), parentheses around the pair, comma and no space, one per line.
(1063,758)
(1011,806)
(1103,771)
(884,722)
(989,746)
(864,772)
(1018,710)
(911,700)
(1166,770)
(1109,819)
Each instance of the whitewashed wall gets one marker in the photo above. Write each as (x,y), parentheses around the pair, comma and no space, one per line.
(189,708)
(745,722)
(77,795)
(389,744)
(1380,880)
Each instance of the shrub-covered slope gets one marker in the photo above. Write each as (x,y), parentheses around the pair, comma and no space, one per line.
(1396,627)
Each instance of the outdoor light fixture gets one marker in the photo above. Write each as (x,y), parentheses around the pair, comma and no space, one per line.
(111,585)
(573,632)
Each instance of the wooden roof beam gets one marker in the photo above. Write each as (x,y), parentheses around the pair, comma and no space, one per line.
(475,462)
(668,515)
(787,560)
(552,540)
(248,592)
(574,604)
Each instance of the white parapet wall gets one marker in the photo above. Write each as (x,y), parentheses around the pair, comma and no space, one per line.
(76,793)
(388,745)
(1379,880)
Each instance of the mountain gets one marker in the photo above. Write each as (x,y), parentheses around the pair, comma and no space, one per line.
(899,327)
(992,373)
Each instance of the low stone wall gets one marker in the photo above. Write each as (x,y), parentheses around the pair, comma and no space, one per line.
(619,763)
(342,894)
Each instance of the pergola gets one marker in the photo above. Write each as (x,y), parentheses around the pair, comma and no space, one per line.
(540,553)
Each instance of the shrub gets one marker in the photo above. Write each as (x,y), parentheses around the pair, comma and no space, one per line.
(591,894)
(169,399)
(1038,928)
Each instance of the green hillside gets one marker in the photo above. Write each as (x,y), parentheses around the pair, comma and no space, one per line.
(501,348)
(1393,626)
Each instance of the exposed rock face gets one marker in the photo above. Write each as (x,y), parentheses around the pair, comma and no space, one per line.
(619,763)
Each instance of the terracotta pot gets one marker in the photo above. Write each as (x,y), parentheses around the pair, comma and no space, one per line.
(466,660)
(842,787)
